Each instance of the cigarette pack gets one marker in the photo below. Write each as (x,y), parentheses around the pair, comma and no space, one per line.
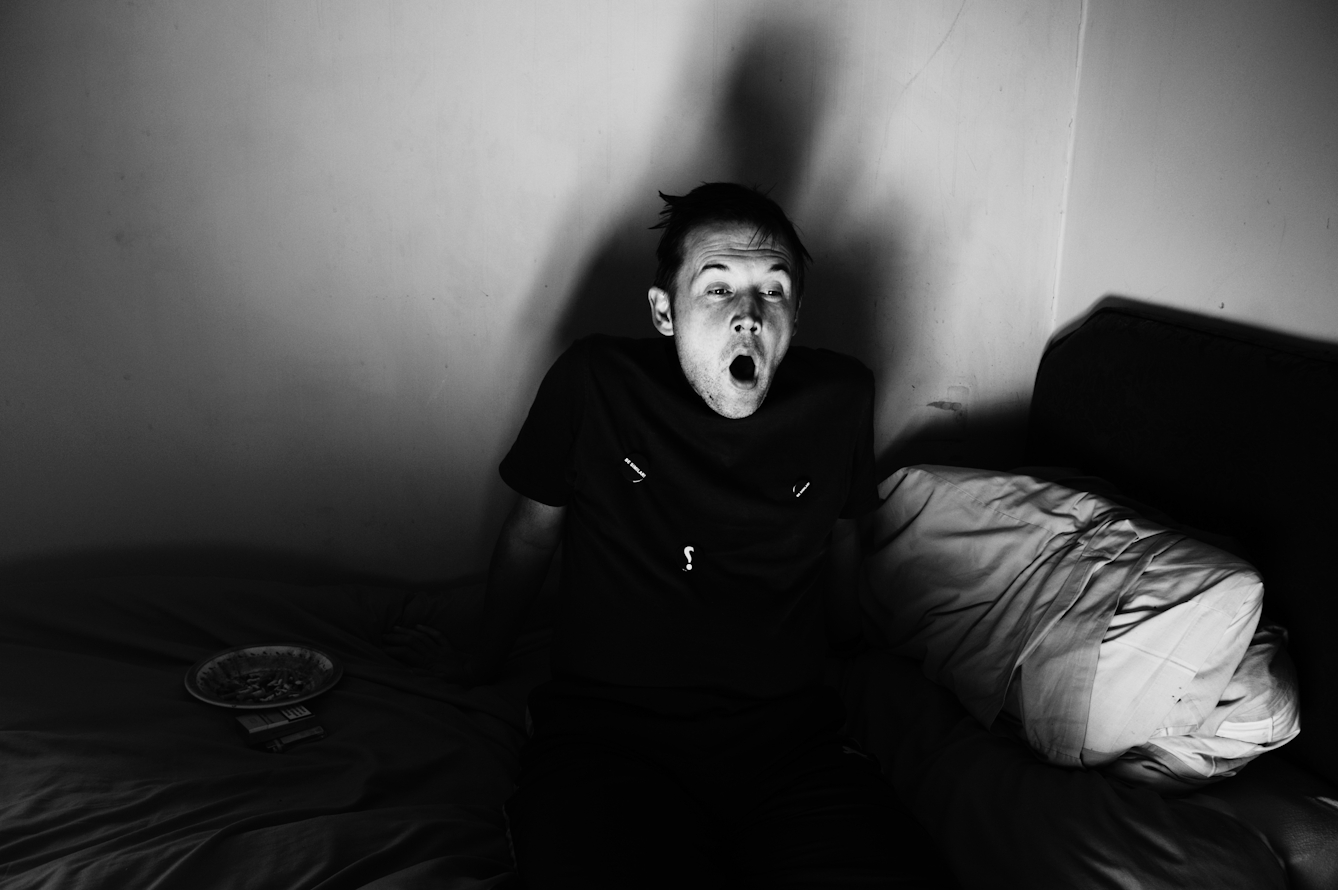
(310,734)
(258,727)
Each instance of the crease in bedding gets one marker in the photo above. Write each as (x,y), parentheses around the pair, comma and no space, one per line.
(1096,633)
(112,775)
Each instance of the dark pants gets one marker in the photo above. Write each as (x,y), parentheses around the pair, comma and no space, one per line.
(685,793)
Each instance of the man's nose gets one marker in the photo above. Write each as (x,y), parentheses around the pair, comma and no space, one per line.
(747,312)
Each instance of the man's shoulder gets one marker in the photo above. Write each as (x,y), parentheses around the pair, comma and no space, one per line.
(606,347)
(622,345)
(602,355)
(811,366)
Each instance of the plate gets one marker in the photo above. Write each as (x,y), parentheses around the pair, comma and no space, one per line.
(258,677)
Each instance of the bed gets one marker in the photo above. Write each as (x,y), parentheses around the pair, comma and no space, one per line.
(112,775)
(1230,431)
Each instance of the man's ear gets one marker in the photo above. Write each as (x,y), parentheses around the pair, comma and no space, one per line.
(661,310)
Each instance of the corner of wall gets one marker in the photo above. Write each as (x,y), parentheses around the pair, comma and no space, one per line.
(1068,167)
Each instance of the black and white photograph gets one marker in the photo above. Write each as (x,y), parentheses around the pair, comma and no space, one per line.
(693,444)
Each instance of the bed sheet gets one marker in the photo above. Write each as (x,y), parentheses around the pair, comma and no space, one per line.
(1004,818)
(112,775)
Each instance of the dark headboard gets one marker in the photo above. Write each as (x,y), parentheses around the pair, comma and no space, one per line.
(1227,428)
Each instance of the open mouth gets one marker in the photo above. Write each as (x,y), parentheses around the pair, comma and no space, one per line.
(743,369)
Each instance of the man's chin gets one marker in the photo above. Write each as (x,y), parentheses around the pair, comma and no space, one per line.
(736,400)
(725,393)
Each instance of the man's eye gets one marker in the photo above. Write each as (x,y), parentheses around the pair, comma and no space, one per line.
(719,290)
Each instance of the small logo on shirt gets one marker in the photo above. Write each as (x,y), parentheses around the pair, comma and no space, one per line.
(801,486)
(632,468)
(687,554)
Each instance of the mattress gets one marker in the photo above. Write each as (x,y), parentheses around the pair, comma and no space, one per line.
(111,774)
(1005,818)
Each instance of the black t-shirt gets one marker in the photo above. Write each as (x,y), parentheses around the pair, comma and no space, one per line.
(694,545)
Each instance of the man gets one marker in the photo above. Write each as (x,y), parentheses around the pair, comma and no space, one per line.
(705,487)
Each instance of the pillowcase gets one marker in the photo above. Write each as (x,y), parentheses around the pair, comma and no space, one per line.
(1005,819)
(1092,630)
(1258,711)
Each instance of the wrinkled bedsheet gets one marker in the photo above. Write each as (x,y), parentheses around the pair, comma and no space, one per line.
(1004,818)
(1098,630)
(111,775)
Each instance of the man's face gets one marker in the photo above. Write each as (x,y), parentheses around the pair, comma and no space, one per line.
(733,315)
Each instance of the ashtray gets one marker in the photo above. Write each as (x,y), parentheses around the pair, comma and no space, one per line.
(255,677)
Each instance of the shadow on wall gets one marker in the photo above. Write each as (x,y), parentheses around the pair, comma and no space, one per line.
(761,132)
(1218,324)
(764,129)
(763,122)
(987,436)
(996,436)
(760,124)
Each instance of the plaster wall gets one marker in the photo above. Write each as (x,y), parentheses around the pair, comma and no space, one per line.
(285,276)
(1205,165)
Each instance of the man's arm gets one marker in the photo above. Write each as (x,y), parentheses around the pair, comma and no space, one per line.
(516,573)
(845,621)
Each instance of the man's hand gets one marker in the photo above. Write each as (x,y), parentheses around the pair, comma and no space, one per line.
(426,649)
(519,563)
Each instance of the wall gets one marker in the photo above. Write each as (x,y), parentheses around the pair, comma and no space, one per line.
(1205,167)
(284,277)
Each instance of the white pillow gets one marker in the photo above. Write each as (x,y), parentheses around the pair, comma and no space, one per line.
(1094,629)
(1259,710)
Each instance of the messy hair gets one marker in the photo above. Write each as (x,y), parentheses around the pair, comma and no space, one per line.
(722,202)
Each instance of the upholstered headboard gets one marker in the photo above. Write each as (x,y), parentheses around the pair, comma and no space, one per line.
(1227,428)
